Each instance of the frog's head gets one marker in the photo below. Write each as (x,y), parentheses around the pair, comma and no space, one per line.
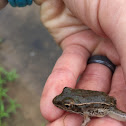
(66,101)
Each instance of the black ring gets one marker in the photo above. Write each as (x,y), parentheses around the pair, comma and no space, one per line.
(102,60)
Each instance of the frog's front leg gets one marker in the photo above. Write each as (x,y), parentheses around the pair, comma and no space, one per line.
(86,120)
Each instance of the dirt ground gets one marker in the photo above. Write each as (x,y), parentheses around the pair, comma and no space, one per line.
(28,48)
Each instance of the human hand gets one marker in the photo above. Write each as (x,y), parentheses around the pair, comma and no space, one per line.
(3,3)
(84,28)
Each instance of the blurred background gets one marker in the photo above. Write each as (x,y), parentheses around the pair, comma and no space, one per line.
(25,45)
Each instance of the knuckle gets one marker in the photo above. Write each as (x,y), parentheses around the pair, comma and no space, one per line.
(59,21)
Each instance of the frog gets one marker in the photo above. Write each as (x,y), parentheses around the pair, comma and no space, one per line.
(88,103)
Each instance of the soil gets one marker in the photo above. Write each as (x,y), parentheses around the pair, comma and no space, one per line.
(25,45)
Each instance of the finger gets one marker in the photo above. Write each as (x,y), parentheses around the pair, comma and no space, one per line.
(77,120)
(65,73)
(67,69)
(114,26)
(118,89)
(105,122)
(39,2)
(87,12)
(96,77)
(68,120)
(53,11)
(3,3)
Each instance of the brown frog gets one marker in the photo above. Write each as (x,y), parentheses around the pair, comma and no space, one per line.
(89,104)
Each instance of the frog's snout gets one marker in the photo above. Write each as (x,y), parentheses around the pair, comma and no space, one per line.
(55,101)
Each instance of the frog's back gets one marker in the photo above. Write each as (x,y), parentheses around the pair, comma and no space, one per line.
(91,97)
(96,96)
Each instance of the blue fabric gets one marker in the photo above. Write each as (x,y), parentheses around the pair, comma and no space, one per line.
(20,3)
(29,2)
(12,3)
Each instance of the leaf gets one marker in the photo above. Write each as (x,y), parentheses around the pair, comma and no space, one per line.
(2,81)
(11,76)
(5,114)
(12,107)
(11,104)
(3,92)
(1,107)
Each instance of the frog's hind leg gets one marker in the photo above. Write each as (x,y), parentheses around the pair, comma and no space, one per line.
(117,114)
(86,120)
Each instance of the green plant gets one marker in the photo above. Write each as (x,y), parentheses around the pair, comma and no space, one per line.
(7,104)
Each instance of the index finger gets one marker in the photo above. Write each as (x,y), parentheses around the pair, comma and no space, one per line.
(67,70)
(65,74)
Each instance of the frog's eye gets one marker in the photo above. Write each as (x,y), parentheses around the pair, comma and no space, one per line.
(67,105)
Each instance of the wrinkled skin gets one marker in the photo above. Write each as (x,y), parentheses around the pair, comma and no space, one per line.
(83,28)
